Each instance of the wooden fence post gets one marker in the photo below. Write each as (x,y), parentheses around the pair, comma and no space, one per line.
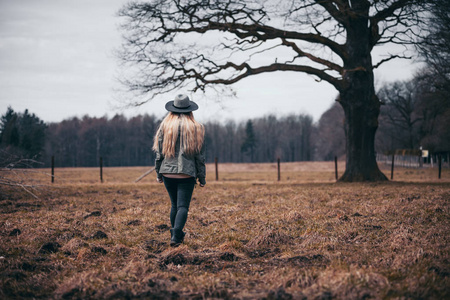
(392,167)
(335,168)
(217,169)
(53,168)
(101,169)
(440,165)
(278,165)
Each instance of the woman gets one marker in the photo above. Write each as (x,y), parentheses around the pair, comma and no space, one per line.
(180,160)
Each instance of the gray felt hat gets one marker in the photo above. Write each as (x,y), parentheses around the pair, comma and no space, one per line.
(181,104)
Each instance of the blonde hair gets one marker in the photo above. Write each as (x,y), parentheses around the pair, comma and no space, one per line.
(190,131)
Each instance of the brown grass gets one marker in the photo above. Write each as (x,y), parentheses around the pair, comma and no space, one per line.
(247,238)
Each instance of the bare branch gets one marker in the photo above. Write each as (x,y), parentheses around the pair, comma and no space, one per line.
(391,18)
(159,40)
(9,163)
(390,58)
(272,68)
(389,11)
(25,187)
(313,58)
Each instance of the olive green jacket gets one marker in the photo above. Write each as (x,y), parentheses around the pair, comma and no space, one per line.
(181,163)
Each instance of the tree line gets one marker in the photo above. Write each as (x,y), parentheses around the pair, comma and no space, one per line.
(121,141)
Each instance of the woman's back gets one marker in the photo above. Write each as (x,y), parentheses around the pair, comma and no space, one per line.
(179,132)
(180,160)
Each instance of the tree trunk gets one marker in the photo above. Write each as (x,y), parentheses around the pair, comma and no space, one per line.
(361,105)
(361,123)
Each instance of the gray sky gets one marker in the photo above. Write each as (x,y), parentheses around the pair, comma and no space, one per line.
(56,60)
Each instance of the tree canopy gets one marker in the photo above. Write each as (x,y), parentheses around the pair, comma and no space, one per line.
(169,44)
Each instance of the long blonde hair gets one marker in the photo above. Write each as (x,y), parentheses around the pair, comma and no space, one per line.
(191,134)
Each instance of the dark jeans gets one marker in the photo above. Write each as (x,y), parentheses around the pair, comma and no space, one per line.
(180,192)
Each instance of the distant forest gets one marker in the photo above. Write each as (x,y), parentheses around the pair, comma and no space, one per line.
(414,114)
(122,141)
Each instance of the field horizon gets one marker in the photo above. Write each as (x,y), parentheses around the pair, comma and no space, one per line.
(309,171)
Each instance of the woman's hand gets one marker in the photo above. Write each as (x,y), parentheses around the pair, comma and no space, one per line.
(159,180)
(202,185)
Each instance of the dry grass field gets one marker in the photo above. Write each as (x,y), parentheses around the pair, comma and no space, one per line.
(248,236)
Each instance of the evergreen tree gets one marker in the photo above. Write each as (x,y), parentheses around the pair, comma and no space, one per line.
(9,133)
(22,134)
(249,143)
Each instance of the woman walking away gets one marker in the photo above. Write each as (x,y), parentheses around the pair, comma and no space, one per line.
(180,160)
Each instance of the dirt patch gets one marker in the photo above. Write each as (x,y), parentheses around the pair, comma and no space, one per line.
(15,232)
(162,227)
(99,235)
(49,247)
(96,213)
(134,223)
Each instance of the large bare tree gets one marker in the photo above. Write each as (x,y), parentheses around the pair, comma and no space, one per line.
(331,40)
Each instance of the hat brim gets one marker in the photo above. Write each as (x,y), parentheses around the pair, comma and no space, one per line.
(170,107)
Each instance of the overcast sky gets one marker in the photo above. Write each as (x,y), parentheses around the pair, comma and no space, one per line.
(56,60)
